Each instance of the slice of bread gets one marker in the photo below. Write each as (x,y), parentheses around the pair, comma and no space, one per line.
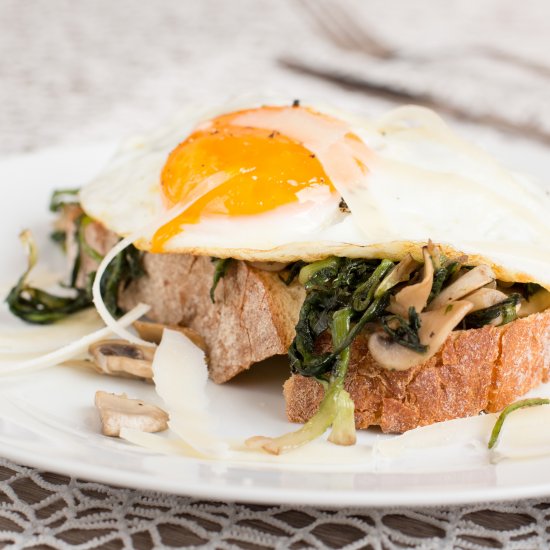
(254,316)
(475,370)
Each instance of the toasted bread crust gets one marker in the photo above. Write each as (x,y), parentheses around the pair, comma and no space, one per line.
(475,370)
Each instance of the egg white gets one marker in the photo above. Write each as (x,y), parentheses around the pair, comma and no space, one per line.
(423,182)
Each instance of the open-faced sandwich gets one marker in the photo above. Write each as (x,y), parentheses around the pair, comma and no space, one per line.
(403,270)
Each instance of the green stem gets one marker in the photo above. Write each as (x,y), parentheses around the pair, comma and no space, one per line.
(509,409)
(221,265)
(308,271)
(364,294)
(340,328)
(315,427)
(83,222)
(343,426)
(329,406)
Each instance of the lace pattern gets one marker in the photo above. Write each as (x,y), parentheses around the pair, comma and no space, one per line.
(39,508)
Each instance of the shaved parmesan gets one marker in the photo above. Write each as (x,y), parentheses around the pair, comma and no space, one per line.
(180,375)
(158,443)
(74,348)
(461,431)
(523,435)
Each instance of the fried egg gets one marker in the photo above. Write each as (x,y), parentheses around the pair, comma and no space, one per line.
(288,182)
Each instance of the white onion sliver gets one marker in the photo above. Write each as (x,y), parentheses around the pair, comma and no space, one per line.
(74,348)
(114,325)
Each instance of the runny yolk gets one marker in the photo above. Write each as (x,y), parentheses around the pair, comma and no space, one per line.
(234,171)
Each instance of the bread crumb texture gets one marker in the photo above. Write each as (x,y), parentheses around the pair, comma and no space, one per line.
(253,316)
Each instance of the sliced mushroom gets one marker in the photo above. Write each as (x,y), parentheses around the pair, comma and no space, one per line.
(434,329)
(415,295)
(399,274)
(435,254)
(118,411)
(466,284)
(120,357)
(537,302)
(152,332)
(485,297)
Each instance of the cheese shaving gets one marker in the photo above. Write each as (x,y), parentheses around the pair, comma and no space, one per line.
(458,432)
(74,348)
(523,435)
(180,375)
(158,443)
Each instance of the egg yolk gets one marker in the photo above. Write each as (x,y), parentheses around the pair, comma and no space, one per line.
(232,170)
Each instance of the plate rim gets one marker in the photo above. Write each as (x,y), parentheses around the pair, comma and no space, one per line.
(336,499)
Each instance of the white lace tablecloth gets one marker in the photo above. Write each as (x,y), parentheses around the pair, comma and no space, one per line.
(95,70)
(59,512)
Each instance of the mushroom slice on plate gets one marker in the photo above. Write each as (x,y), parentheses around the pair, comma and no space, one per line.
(118,411)
(435,327)
(120,357)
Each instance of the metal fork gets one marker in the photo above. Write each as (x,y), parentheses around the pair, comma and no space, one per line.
(343,30)
(349,33)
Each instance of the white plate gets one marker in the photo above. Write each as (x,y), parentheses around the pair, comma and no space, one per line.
(47,419)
